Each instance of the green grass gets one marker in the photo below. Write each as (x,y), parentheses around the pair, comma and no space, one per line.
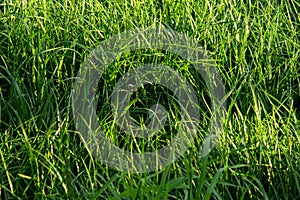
(256,47)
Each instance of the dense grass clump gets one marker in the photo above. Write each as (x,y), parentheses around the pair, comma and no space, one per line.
(256,47)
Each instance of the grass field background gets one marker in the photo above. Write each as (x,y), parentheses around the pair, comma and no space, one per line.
(255,45)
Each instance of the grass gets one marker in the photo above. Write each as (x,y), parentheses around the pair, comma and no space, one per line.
(256,47)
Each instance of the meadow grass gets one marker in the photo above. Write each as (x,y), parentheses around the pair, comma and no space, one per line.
(255,45)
